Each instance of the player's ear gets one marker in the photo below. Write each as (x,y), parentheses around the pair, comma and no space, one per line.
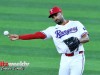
(61,13)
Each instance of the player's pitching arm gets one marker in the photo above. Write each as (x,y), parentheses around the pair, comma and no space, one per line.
(37,35)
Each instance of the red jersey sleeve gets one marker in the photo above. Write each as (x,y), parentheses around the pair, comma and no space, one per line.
(37,35)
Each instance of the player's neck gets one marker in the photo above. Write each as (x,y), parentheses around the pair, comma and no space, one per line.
(65,22)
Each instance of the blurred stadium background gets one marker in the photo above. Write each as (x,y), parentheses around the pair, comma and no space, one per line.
(29,16)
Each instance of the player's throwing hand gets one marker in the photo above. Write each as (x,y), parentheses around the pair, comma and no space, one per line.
(13,37)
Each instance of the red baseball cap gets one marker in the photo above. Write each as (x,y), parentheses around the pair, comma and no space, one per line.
(54,10)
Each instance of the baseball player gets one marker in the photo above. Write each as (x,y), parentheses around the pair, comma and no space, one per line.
(68,36)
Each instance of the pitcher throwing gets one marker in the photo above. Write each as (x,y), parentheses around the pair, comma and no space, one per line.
(68,36)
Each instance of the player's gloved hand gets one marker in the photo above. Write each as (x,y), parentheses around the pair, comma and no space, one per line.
(13,37)
(72,43)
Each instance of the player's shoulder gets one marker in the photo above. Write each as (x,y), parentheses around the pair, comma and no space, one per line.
(75,21)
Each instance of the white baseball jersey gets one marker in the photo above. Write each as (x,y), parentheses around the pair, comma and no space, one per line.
(62,32)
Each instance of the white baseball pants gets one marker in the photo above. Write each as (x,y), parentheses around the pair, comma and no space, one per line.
(72,65)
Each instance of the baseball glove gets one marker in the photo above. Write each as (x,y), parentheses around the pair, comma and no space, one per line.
(72,43)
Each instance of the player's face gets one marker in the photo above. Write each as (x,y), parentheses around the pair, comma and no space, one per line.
(58,18)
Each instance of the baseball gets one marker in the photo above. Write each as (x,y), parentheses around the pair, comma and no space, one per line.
(6,33)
